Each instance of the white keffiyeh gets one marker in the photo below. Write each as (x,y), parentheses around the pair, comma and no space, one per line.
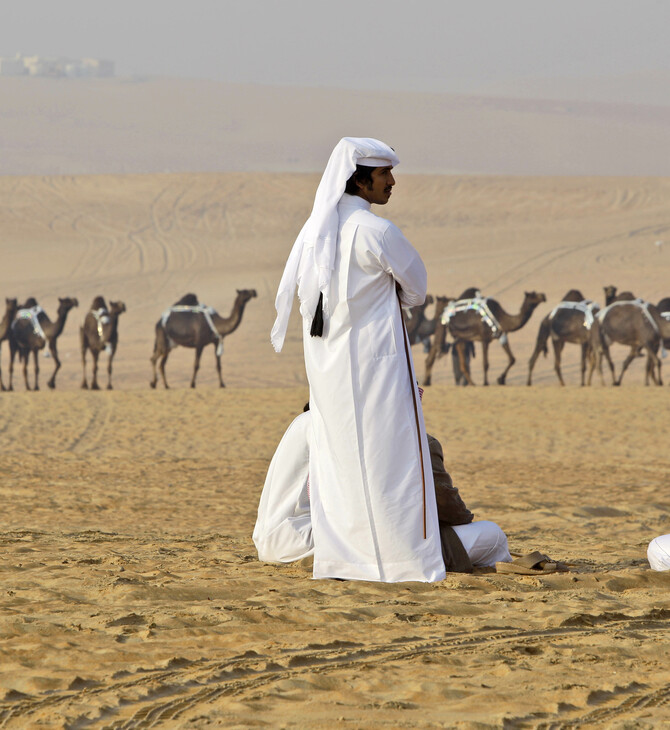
(312,257)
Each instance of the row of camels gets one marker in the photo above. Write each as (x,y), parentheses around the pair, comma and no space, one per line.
(29,330)
(470,318)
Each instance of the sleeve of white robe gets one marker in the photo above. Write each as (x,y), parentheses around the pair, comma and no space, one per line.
(401,260)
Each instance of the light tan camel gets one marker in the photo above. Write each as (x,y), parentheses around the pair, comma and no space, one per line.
(100,332)
(486,321)
(10,311)
(189,324)
(570,321)
(31,331)
(441,347)
(636,324)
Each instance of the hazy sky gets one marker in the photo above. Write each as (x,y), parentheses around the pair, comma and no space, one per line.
(440,45)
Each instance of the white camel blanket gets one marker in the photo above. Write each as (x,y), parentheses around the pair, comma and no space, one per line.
(31,315)
(102,318)
(480,305)
(207,313)
(586,307)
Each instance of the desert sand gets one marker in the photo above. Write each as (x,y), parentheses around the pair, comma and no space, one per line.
(131,595)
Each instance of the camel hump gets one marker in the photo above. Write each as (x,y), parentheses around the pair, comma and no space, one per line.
(98,303)
(188,300)
(29,303)
(471,292)
(574,295)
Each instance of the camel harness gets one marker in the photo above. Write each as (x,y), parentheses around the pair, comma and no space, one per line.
(586,307)
(480,305)
(32,315)
(206,312)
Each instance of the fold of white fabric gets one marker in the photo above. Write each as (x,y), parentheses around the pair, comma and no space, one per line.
(312,257)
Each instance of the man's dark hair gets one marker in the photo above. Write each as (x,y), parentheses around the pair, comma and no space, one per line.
(363,175)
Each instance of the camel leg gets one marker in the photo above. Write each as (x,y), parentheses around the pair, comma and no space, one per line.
(653,364)
(54,354)
(95,354)
(629,359)
(218,368)
(37,369)
(161,367)
(109,367)
(12,355)
(439,339)
(84,346)
(460,348)
(540,346)
(2,385)
(558,349)
(196,364)
(608,357)
(459,378)
(512,360)
(585,354)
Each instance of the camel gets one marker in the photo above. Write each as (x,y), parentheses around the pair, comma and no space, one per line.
(419,328)
(637,324)
(31,331)
(10,311)
(570,321)
(99,332)
(189,324)
(483,320)
(440,345)
(612,296)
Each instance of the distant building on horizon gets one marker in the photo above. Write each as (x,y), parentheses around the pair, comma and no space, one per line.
(56,67)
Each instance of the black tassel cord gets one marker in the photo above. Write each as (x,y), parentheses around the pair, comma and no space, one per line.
(317,323)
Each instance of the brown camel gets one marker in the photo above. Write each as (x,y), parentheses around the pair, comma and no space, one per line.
(10,311)
(483,320)
(637,324)
(419,328)
(440,345)
(612,296)
(570,321)
(189,324)
(31,331)
(99,332)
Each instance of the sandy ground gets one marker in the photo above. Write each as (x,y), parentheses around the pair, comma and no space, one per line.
(130,593)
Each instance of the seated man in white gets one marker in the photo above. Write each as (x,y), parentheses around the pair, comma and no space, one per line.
(658,553)
(283,531)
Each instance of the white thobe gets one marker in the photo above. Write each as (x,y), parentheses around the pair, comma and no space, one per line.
(367,500)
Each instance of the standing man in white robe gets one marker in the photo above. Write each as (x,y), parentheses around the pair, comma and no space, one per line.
(373,509)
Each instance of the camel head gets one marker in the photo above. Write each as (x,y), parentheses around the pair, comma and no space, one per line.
(533,298)
(246,294)
(66,304)
(429,300)
(610,293)
(11,307)
(117,308)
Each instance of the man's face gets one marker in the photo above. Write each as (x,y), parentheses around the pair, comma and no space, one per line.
(378,190)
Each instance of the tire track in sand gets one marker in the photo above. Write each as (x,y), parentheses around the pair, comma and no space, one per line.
(184,685)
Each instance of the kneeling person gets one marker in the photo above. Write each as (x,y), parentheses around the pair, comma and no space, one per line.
(283,531)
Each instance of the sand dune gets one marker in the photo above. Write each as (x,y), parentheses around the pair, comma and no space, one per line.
(134,125)
(131,593)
